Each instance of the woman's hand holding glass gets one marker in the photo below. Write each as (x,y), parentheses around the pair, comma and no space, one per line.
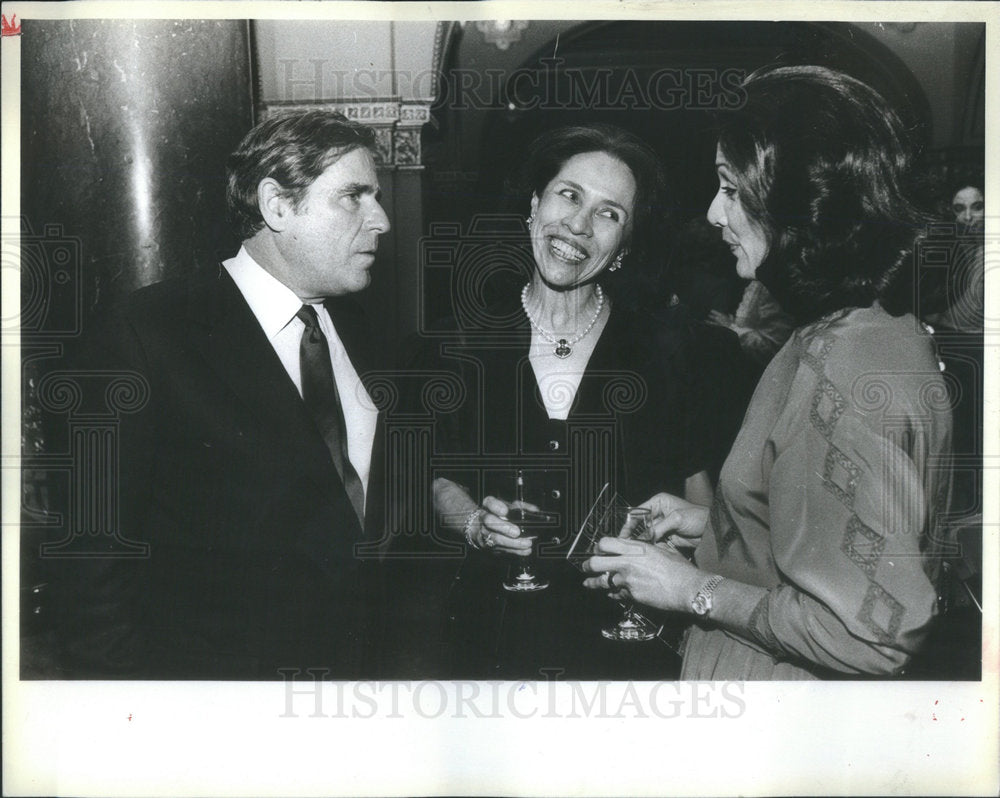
(484,526)
(653,574)
(674,521)
(500,535)
(653,571)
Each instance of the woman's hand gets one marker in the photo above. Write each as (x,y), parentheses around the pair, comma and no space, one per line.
(483,527)
(652,574)
(679,521)
(497,533)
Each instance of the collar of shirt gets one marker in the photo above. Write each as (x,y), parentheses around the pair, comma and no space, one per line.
(272,302)
(275,305)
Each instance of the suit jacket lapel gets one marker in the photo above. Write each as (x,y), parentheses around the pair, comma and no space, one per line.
(234,344)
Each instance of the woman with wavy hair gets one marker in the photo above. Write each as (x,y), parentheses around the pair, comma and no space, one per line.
(819,555)
(572,388)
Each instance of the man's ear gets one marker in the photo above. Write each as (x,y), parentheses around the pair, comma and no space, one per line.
(534,203)
(275,205)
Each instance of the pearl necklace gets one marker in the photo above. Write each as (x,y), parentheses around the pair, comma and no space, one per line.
(563,347)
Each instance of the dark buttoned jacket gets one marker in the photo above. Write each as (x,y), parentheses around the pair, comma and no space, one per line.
(254,563)
(644,417)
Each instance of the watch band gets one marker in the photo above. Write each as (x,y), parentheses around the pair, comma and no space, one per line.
(701,604)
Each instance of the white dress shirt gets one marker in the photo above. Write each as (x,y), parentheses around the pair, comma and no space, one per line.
(275,305)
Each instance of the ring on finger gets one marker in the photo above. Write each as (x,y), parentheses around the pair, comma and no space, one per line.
(611,580)
(488,540)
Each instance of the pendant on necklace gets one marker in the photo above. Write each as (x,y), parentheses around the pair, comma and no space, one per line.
(563,350)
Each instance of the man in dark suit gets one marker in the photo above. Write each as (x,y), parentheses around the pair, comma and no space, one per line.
(245,471)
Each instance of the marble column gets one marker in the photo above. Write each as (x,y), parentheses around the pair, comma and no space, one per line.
(125,131)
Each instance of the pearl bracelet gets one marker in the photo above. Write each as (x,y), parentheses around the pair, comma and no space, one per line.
(470,520)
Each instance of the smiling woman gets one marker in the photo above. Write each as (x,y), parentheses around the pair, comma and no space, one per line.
(573,390)
(582,220)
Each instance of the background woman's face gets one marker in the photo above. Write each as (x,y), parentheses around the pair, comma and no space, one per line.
(967,206)
(582,218)
(745,237)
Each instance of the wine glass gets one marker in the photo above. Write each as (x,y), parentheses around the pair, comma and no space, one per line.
(610,515)
(522,577)
(633,627)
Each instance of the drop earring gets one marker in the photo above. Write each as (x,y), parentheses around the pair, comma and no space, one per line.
(616,264)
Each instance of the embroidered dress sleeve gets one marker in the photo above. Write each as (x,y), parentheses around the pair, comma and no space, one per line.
(849,515)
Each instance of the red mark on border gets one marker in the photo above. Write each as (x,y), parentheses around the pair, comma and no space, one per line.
(130,716)
(11,28)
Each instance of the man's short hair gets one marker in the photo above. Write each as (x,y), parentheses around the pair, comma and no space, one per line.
(293,149)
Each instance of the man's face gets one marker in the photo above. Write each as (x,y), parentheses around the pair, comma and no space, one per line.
(329,242)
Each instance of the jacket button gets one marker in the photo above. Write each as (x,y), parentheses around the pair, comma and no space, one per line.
(556,493)
(554,445)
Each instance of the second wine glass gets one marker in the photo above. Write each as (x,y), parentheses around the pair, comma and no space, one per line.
(633,627)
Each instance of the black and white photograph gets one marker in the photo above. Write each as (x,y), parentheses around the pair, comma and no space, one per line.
(500,398)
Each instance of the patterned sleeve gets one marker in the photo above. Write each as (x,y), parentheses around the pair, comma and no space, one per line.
(849,512)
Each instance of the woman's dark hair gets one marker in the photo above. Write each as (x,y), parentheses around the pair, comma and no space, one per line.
(293,149)
(822,164)
(949,200)
(550,151)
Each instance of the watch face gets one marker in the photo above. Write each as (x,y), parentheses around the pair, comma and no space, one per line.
(702,602)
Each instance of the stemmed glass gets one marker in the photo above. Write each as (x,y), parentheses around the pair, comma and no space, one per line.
(633,627)
(522,577)
(611,516)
